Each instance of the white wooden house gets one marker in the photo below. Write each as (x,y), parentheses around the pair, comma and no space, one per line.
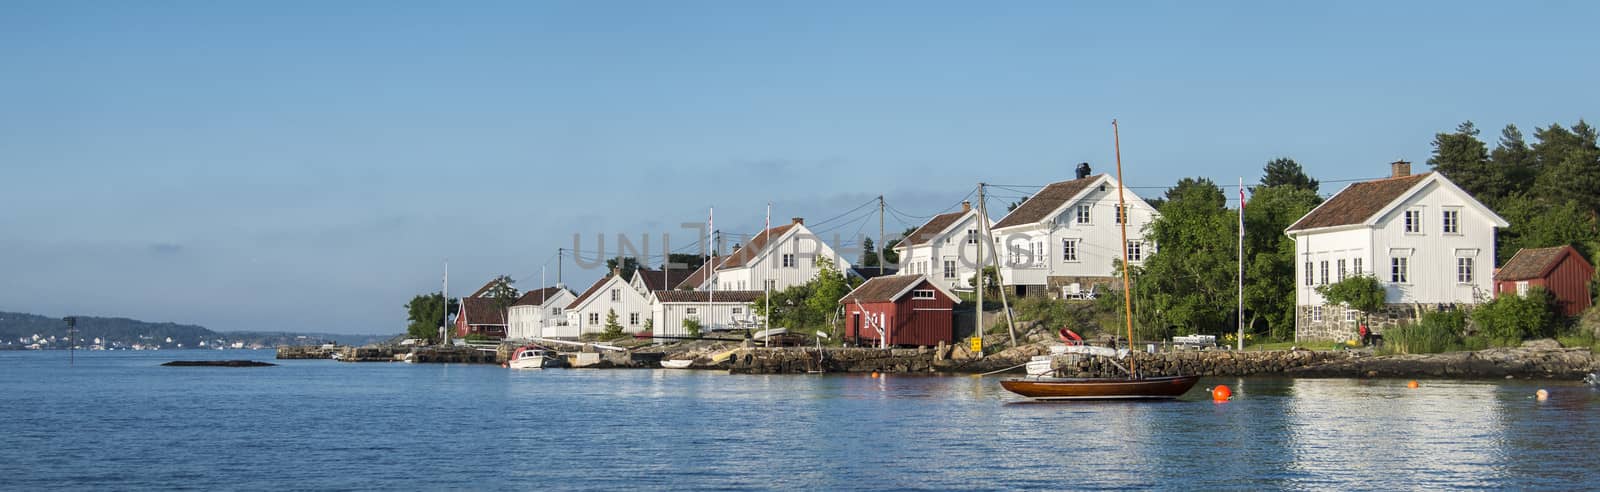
(587,313)
(1064,239)
(779,257)
(945,249)
(719,310)
(1426,240)
(539,311)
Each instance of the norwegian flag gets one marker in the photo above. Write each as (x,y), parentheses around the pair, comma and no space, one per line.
(1241,207)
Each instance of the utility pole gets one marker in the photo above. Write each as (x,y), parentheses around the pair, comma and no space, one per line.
(977,323)
(444,325)
(561,257)
(880,236)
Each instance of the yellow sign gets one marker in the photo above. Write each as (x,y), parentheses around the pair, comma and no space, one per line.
(977,344)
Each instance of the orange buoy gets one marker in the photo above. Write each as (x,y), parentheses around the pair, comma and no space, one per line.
(874,373)
(1221,393)
(1541,395)
(1412,384)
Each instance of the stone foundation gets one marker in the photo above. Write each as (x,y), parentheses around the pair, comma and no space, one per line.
(1335,327)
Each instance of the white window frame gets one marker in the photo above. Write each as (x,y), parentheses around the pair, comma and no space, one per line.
(1464,270)
(738,310)
(788,260)
(1450,221)
(1413,221)
(1311,273)
(1135,250)
(1349,314)
(1316,313)
(633,319)
(1039,257)
(1324,270)
(694,311)
(1342,271)
(1069,250)
(923,294)
(1121,214)
(1522,287)
(1357,269)
(949,268)
(972,236)
(1083,216)
(1399,270)
(616,295)
(594,318)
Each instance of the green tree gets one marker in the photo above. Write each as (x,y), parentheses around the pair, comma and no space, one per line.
(1269,256)
(623,264)
(1514,162)
(613,328)
(810,305)
(991,284)
(889,254)
(1284,171)
(685,261)
(650,325)
(1507,320)
(830,286)
(1535,224)
(869,256)
(1362,293)
(504,294)
(1464,159)
(692,327)
(1189,283)
(426,313)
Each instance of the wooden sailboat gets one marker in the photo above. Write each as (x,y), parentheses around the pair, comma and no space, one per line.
(1131,387)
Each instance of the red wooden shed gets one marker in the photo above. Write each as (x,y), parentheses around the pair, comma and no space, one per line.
(908,308)
(1561,270)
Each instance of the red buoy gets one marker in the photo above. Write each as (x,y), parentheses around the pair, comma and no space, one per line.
(1221,393)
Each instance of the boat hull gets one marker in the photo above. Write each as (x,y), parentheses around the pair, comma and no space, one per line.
(526,363)
(1101,389)
(677,364)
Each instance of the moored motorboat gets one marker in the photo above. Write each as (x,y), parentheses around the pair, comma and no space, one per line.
(529,357)
(1165,387)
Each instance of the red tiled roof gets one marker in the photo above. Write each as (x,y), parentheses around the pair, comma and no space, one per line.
(881,289)
(653,280)
(589,292)
(1038,207)
(931,229)
(694,280)
(481,311)
(537,297)
(1358,202)
(1532,263)
(757,243)
(708,296)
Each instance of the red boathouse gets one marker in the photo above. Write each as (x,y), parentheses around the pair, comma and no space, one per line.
(909,310)
(1560,270)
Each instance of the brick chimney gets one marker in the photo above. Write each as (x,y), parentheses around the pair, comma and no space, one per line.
(799,220)
(1399,169)
(966,206)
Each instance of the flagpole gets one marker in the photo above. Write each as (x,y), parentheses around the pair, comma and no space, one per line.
(711,271)
(766,320)
(1241,264)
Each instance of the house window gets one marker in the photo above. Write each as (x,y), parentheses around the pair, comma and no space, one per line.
(1324,272)
(1342,271)
(1316,313)
(1464,270)
(1135,250)
(1413,221)
(691,311)
(1122,214)
(738,310)
(949,268)
(594,318)
(1310,277)
(616,295)
(788,260)
(1083,214)
(555,311)
(1038,253)
(972,236)
(1069,250)
(1349,314)
(1522,288)
(633,319)
(1451,223)
(922,294)
(1398,269)
(1357,269)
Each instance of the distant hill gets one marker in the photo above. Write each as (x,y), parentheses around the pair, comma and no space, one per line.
(20,330)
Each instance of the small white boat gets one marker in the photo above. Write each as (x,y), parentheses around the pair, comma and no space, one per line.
(677,364)
(529,357)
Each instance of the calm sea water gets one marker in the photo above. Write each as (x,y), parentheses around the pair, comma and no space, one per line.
(119,421)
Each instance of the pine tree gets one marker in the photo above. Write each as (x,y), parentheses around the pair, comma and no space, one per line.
(1284,171)
(1464,159)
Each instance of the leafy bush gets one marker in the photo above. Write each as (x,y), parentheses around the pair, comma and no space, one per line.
(1052,313)
(692,327)
(1437,332)
(1507,320)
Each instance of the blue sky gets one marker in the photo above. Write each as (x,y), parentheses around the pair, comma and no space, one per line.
(310,165)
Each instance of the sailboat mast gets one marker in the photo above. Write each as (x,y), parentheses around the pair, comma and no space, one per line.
(1122,208)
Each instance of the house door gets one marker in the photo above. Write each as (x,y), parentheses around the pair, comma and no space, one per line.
(855,324)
